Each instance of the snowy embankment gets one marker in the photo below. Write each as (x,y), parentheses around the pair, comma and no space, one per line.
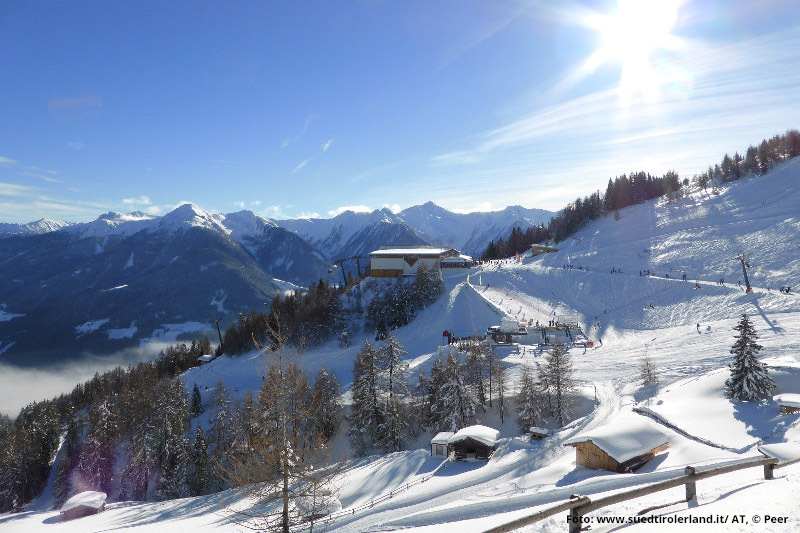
(698,236)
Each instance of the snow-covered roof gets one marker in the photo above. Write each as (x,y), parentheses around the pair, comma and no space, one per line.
(89,498)
(459,259)
(205,358)
(409,251)
(442,438)
(787,399)
(484,435)
(623,441)
(538,431)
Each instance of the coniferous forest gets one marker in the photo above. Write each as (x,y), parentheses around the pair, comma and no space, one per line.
(627,190)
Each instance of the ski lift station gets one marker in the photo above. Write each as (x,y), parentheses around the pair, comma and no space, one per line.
(566,331)
(396,261)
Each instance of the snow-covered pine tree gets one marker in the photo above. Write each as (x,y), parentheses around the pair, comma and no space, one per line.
(365,413)
(749,380)
(455,402)
(393,394)
(221,433)
(529,400)
(197,402)
(325,409)
(97,453)
(200,471)
(169,444)
(427,287)
(401,308)
(555,376)
(434,412)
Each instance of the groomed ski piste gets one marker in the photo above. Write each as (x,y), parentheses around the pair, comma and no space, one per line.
(698,235)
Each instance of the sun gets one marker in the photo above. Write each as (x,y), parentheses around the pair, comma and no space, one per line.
(631,36)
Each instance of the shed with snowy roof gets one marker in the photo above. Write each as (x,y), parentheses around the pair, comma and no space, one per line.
(439,444)
(395,261)
(478,442)
(788,403)
(622,448)
(84,504)
(205,359)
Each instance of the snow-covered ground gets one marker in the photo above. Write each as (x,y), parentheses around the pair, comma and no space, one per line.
(698,236)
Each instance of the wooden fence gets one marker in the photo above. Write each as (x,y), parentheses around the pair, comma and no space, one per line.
(581,505)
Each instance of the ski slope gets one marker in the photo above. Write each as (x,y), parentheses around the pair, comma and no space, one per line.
(698,235)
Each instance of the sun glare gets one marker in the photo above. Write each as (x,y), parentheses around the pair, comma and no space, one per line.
(631,35)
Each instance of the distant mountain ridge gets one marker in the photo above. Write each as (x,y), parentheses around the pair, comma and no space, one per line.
(347,234)
(68,289)
(109,284)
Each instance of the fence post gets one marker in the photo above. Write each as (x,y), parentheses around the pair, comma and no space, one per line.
(691,484)
(575,516)
(769,471)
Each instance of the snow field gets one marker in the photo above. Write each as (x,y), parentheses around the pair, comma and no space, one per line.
(699,236)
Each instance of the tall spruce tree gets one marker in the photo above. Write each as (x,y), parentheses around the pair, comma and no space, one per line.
(555,377)
(200,472)
(197,402)
(455,401)
(530,400)
(394,393)
(365,414)
(325,409)
(749,380)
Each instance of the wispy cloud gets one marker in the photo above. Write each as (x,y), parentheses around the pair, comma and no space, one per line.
(463,157)
(7,160)
(76,145)
(323,148)
(302,164)
(12,189)
(354,208)
(721,98)
(293,139)
(394,208)
(140,200)
(223,162)
(284,212)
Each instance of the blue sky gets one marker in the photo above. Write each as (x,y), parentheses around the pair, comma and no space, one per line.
(307,108)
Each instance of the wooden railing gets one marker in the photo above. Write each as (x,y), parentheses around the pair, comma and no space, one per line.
(579,506)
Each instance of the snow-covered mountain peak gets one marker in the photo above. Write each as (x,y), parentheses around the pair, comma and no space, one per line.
(189,215)
(246,223)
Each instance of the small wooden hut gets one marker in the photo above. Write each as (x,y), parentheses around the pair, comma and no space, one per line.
(205,359)
(618,448)
(478,442)
(83,504)
(788,403)
(439,444)
(538,433)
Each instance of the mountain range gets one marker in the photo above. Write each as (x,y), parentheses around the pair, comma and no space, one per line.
(71,289)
